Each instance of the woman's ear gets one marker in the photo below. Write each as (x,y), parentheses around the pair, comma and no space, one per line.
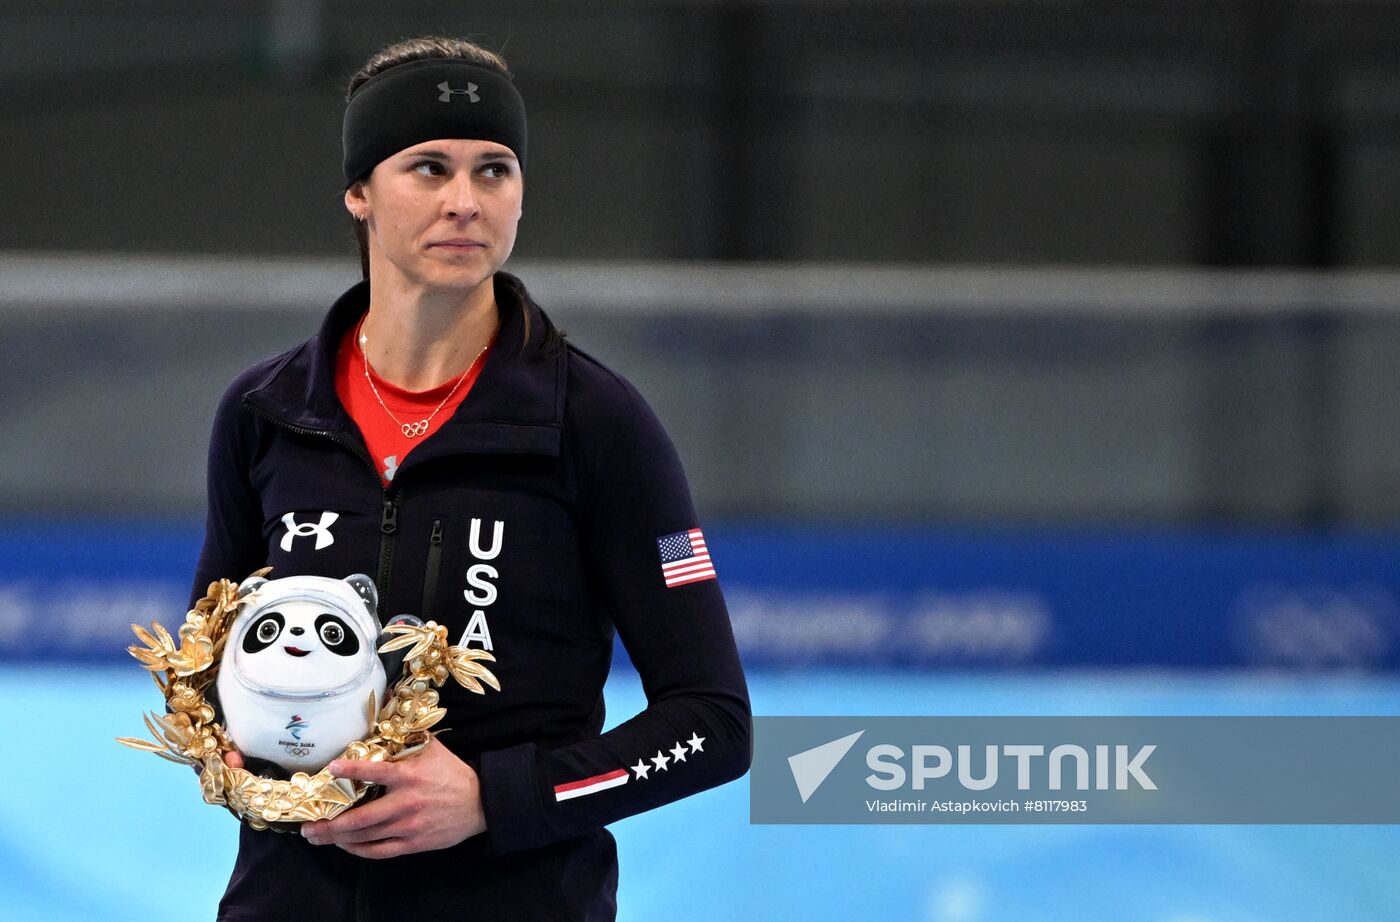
(356,202)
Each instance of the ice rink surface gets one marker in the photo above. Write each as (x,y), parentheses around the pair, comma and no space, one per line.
(92,831)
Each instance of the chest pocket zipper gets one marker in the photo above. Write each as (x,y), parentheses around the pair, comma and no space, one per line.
(431,572)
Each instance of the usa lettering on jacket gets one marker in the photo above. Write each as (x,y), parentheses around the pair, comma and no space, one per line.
(481,591)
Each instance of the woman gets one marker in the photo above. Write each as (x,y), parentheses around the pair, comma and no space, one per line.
(439,435)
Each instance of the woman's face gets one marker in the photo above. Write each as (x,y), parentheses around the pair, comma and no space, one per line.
(441,214)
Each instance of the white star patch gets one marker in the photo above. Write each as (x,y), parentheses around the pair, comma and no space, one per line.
(641,768)
(695,741)
(679,752)
(660,761)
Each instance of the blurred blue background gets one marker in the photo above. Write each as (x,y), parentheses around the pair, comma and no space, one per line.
(1025,358)
(116,828)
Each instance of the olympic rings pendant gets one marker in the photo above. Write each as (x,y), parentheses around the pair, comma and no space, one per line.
(411,430)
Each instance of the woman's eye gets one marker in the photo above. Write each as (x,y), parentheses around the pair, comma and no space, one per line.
(332,634)
(428,168)
(267,631)
(496,170)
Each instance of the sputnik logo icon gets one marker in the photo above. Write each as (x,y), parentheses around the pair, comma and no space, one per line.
(812,766)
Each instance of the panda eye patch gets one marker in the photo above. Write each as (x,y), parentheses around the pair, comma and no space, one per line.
(338,638)
(264,631)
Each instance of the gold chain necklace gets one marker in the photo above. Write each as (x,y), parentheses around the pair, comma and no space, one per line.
(410,429)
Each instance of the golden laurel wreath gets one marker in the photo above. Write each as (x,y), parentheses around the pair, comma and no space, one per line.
(190,735)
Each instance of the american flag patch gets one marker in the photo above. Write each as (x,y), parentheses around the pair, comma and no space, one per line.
(684,558)
(592,785)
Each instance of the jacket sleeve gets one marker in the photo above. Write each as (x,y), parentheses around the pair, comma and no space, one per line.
(695,731)
(233,544)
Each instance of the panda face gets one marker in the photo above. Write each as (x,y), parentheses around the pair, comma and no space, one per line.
(334,634)
(300,645)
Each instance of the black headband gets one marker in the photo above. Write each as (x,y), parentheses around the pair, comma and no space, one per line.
(424,100)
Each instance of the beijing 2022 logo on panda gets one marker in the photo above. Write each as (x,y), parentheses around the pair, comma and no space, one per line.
(294,747)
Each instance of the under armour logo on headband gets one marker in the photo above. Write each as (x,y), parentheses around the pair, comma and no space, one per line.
(448,92)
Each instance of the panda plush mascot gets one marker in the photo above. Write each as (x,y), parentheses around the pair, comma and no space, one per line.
(300,668)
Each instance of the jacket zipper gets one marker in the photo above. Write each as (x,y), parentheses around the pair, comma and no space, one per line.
(389,517)
(388,527)
(430,573)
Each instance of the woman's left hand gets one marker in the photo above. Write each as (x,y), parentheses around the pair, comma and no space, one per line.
(431,800)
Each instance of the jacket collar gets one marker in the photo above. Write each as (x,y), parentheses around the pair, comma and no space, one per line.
(515,407)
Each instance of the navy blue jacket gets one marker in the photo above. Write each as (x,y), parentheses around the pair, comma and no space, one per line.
(528,523)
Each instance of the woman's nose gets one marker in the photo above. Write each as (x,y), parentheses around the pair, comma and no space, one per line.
(461,197)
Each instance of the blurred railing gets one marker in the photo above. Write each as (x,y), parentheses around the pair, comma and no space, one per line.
(813,392)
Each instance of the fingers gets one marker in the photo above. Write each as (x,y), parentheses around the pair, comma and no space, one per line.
(363,836)
(350,825)
(431,801)
(384,848)
(360,770)
(366,823)
(386,817)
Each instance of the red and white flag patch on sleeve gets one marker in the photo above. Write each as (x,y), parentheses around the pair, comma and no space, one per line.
(684,558)
(586,786)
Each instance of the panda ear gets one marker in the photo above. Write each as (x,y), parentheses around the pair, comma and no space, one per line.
(249,585)
(364,588)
